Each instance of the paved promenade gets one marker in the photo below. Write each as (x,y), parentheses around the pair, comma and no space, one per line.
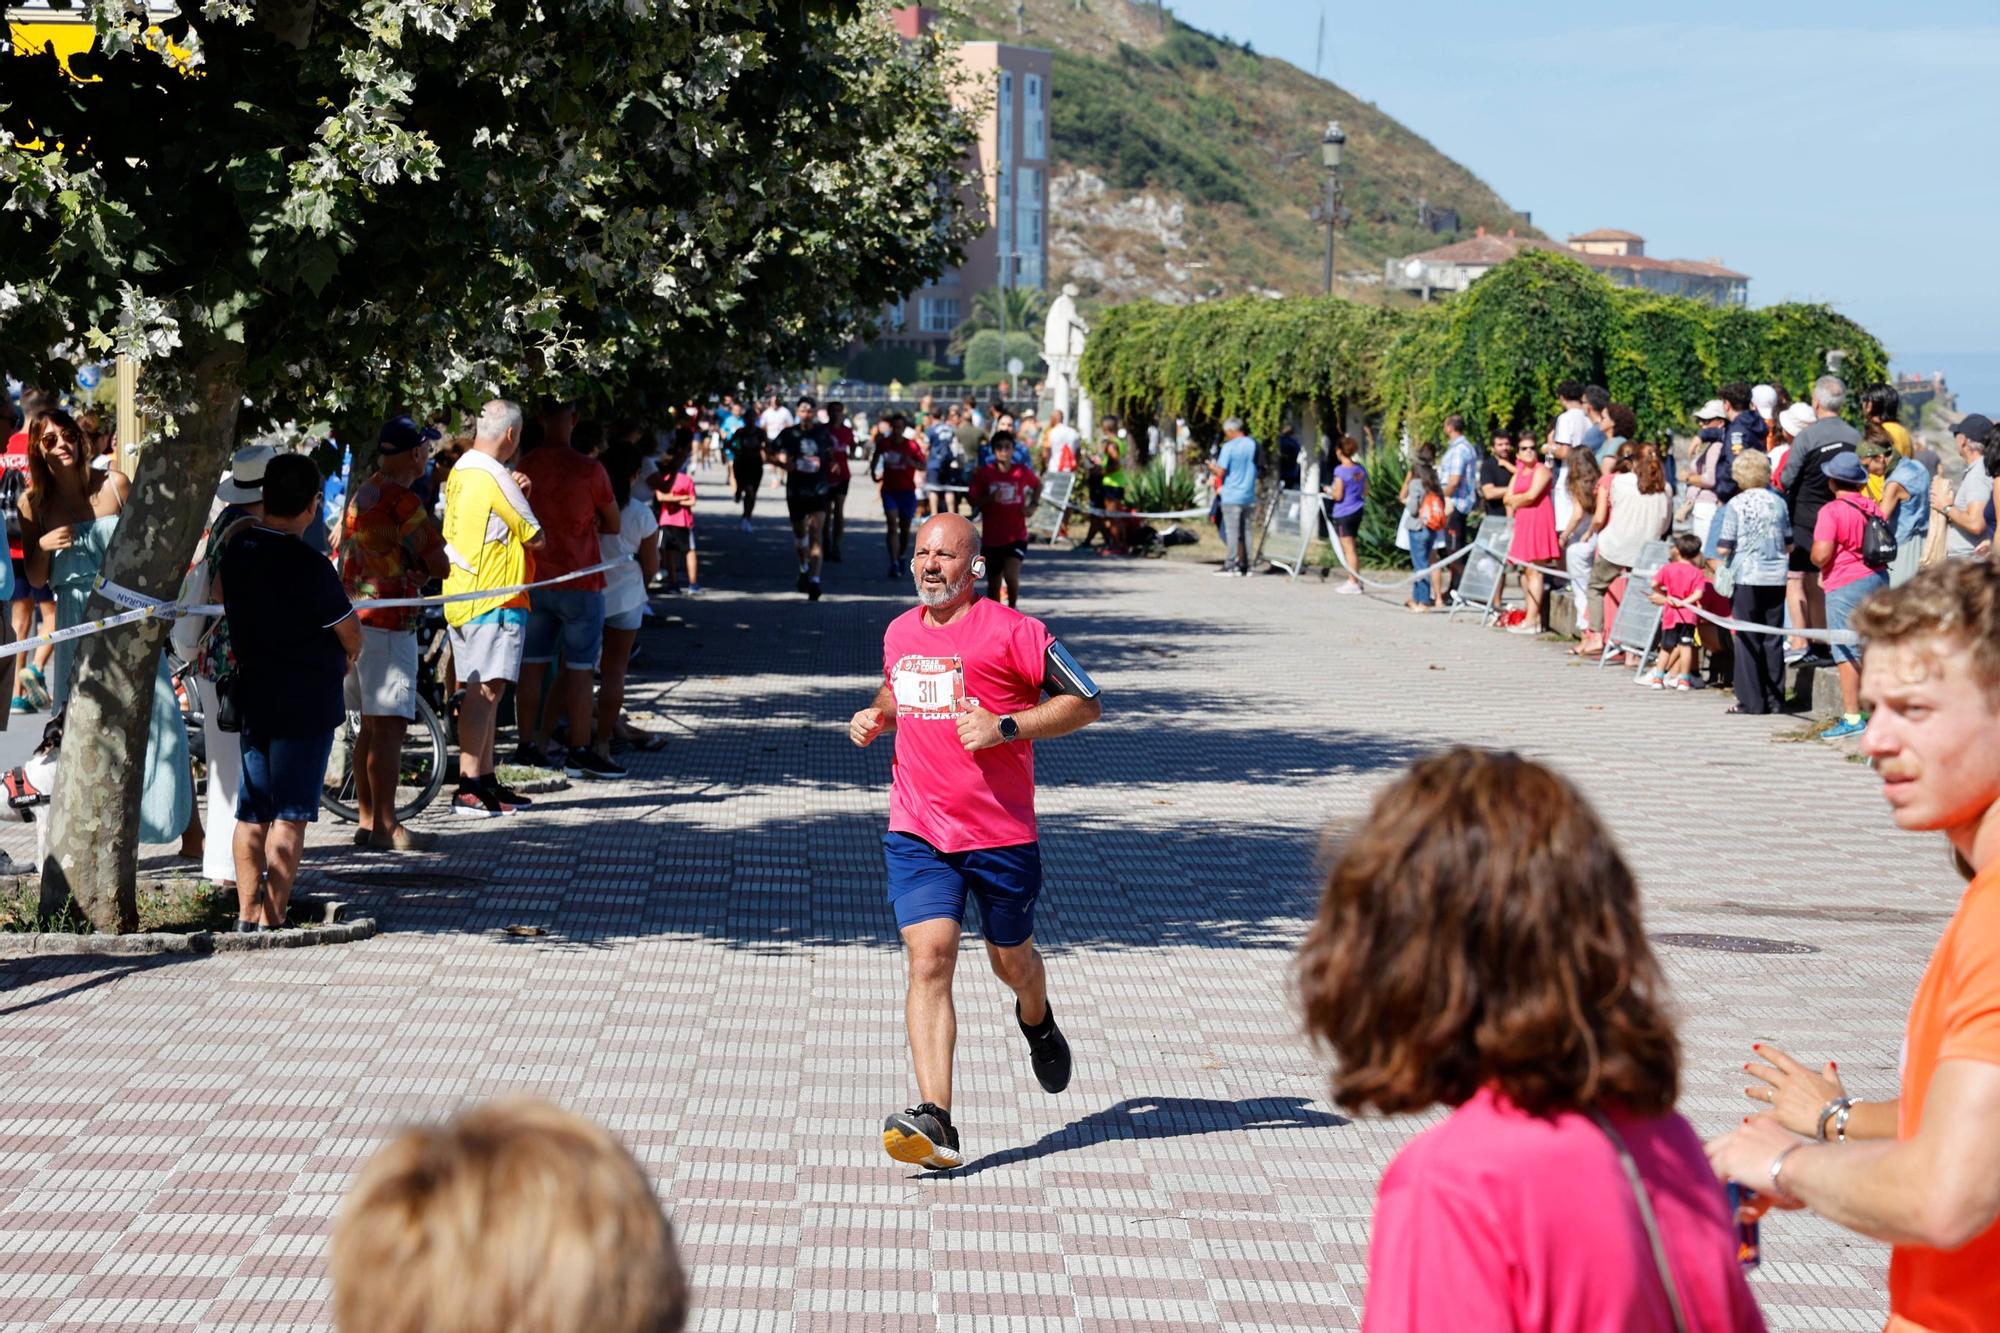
(719,981)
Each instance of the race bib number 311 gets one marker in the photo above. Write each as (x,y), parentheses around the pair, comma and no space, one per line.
(929,686)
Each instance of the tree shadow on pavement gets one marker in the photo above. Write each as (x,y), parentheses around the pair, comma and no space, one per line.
(94,969)
(1158,1118)
(801,883)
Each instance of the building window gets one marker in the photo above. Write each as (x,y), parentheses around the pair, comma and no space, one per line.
(1034,129)
(1005,110)
(1028,228)
(938,314)
(1004,210)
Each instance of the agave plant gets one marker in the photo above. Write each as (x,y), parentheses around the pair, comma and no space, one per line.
(1152,490)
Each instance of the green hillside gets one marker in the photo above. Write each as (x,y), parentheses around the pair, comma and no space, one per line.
(1180,118)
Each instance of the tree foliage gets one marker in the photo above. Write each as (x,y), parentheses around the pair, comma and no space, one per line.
(1012,309)
(338,210)
(986,356)
(435,199)
(1244,357)
(1494,353)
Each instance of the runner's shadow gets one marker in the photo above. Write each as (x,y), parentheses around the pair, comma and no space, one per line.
(1161,1118)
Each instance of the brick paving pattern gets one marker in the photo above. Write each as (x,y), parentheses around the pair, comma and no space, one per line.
(719,983)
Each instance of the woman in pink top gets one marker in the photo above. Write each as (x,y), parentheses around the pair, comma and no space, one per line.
(1845,577)
(1479,945)
(1532,502)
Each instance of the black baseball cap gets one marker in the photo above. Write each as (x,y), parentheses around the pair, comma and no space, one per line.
(1974,426)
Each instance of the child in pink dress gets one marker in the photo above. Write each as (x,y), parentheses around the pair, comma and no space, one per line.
(1678,587)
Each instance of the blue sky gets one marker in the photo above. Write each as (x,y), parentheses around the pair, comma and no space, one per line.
(1841,152)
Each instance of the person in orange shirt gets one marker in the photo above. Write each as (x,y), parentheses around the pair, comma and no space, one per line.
(1921,1171)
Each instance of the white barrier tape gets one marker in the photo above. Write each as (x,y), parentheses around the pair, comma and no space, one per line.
(157,610)
(1845,637)
(163,612)
(1106,513)
(1545,569)
(1137,513)
(125,597)
(481,595)
(1406,579)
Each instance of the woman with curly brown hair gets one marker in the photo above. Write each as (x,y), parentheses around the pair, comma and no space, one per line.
(1479,945)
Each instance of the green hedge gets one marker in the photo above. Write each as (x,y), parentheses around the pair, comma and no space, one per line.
(1243,357)
(1493,353)
(1497,351)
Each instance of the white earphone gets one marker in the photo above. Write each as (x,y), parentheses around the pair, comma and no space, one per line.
(978,566)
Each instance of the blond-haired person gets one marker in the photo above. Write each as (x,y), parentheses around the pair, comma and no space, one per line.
(513,1217)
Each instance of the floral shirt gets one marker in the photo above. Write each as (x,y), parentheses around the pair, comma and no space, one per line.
(387,538)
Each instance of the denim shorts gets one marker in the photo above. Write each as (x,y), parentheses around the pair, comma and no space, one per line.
(926,884)
(572,618)
(282,777)
(1841,603)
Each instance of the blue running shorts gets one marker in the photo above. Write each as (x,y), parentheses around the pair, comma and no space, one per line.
(903,503)
(926,884)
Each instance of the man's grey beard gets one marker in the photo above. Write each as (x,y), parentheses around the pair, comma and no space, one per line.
(950,593)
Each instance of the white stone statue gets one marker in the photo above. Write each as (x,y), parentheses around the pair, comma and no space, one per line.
(1062,346)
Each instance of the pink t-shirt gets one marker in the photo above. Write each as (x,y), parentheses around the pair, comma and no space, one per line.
(678,516)
(1842,522)
(1497,1219)
(1001,497)
(1684,579)
(991,656)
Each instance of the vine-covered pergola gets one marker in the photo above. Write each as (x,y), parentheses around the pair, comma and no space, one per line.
(1493,354)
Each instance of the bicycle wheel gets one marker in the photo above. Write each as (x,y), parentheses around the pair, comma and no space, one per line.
(420,775)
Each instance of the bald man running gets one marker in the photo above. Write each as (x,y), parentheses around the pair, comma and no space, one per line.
(962,685)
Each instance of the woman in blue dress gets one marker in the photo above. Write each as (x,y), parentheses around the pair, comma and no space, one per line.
(68,514)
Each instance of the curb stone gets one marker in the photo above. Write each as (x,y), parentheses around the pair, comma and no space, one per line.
(58,944)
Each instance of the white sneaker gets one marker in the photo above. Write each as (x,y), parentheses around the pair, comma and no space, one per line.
(1524,629)
(1224,573)
(1348,589)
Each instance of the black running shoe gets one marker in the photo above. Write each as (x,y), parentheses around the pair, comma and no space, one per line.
(590,764)
(529,756)
(1048,1051)
(506,797)
(923,1136)
(812,591)
(804,581)
(477,801)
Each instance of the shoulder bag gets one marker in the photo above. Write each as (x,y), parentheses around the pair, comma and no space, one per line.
(1646,1217)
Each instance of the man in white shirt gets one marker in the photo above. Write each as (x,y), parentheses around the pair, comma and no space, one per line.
(1062,442)
(776,419)
(1574,423)
(1964,510)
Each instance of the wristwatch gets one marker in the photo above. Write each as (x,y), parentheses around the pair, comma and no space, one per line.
(1010,730)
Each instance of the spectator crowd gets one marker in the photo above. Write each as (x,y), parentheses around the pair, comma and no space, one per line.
(1782,517)
(333,590)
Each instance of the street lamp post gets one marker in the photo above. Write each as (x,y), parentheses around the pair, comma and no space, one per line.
(1330,144)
